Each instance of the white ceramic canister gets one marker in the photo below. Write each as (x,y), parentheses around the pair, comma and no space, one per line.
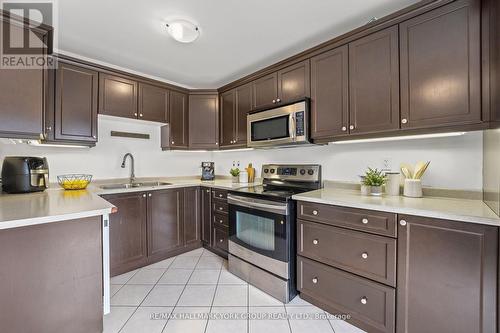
(392,183)
(243,176)
(413,188)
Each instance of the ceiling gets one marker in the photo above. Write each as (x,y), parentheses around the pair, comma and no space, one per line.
(237,37)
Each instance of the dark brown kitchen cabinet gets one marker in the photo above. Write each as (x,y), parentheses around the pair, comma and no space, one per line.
(446,269)
(235,105)
(206,215)
(441,66)
(265,91)
(74,118)
(153,103)
(165,221)
(192,215)
(117,96)
(127,232)
(374,82)
(294,82)
(330,93)
(178,121)
(23,92)
(204,121)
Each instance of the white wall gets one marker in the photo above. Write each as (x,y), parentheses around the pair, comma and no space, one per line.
(456,162)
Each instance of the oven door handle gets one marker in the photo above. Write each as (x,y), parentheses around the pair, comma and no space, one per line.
(257,204)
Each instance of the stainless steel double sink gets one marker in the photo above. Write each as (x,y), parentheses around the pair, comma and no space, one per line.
(132,185)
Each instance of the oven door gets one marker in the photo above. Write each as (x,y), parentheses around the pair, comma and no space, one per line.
(260,226)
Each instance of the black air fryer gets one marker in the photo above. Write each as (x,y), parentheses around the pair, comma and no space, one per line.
(24,174)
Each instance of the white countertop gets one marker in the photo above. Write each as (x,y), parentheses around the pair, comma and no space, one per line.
(464,210)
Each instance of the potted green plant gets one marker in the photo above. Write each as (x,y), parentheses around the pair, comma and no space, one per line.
(375,179)
(235,172)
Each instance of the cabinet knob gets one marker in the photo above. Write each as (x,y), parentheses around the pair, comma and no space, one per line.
(49,128)
(404,121)
(315,212)
(144,195)
(140,114)
(220,195)
(315,241)
(351,127)
(364,221)
(402,222)
(150,195)
(208,191)
(216,143)
(314,280)
(221,240)
(220,208)
(344,128)
(278,100)
(274,101)
(173,142)
(95,137)
(364,255)
(220,221)
(135,114)
(364,300)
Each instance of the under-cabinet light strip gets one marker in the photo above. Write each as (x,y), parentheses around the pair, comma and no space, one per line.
(400,138)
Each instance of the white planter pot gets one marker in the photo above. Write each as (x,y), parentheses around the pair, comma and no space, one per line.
(236,179)
(376,190)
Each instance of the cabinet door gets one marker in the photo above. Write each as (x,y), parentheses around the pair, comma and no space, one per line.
(206,215)
(23,93)
(117,96)
(294,82)
(204,121)
(75,103)
(374,82)
(127,232)
(243,107)
(178,120)
(192,215)
(265,91)
(165,222)
(329,93)
(153,103)
(445,270)
(440,67)
(227,118)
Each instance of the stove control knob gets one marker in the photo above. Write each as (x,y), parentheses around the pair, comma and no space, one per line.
(272,170)
(266,170)
(302,172)
(310,172)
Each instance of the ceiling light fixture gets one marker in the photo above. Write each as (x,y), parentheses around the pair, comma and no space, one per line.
(183,31)
(398,138)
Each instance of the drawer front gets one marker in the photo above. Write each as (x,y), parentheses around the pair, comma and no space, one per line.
(359,219)
(370,304)
(220,238)
(220,220)
(219,194)
(220,207)
(361,253)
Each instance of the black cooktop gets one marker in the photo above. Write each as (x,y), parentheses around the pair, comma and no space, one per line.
(266,191)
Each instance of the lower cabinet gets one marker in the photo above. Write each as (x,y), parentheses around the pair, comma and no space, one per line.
(447,276)
(215,228)
(152,226)
(220,241)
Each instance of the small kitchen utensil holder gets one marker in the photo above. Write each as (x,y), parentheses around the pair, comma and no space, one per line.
(413,188)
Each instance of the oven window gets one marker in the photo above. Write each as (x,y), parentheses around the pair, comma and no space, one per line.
(270,129)
(255,230)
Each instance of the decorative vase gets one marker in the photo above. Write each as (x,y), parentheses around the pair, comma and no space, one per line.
(366,189)
(392,183)
(236,179)
(376,190)
(413,188)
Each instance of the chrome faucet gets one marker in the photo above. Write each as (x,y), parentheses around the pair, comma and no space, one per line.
(132,174)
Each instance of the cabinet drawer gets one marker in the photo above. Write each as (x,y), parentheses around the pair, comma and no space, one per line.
(359,219)
(220,206)
(364,254)
(220,220)
(370,304)
(219,194)
(220,238)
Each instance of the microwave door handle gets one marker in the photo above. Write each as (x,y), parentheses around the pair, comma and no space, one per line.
(291,126)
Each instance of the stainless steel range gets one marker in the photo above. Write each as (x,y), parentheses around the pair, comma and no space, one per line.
(262,228)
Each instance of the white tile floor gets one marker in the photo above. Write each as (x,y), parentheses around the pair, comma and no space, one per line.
(203,297)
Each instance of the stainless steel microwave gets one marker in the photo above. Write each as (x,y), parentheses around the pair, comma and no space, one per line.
(282,126)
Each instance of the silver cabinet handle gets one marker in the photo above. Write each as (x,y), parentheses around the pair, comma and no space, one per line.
(364,221)
(135,114)
(140,114)
(150,195)
(278,100)
(344,128)
(315,241)
(404,121)
(274,101)
(173,142)
(402,222)
(364,255)
(220,221)
(144,195)
(364,300)
(315,212)
(315,280)
(351,127)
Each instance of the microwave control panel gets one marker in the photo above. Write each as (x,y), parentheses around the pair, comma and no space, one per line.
(299,124)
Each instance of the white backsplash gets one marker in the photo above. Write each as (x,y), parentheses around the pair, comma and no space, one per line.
(456,162)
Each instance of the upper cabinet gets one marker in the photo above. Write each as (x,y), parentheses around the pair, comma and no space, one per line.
(235,105)
(204,121)
(178,122)
(117,96)
(374,82)
(441,66)
(75,113)
(153,103)
(286,85)
(329,93)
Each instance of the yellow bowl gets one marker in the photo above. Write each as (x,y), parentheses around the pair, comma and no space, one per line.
(74,182)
